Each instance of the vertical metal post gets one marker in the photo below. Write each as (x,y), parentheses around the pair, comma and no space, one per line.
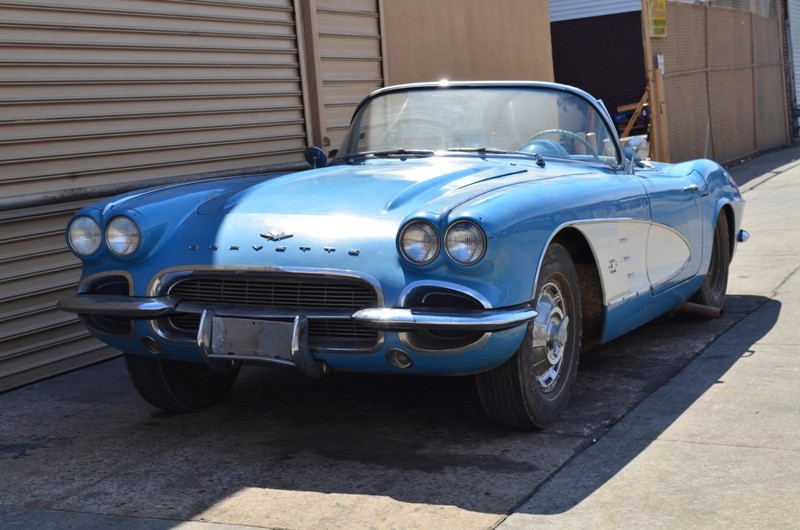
(310,69)
(659,140)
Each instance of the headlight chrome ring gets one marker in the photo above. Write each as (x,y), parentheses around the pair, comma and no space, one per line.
(123,236)
(84,236)
(465,242)
(419,242)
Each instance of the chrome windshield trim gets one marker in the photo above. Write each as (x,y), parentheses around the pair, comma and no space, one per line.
(402,319)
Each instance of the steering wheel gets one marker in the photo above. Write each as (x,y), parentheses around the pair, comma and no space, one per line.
(569,134)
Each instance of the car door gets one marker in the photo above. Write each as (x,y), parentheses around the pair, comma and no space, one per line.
(675,239)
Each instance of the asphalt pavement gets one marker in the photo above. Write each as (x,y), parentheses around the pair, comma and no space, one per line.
(683,423)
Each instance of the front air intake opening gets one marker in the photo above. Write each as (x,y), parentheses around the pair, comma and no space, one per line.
(112,285)
(433,340)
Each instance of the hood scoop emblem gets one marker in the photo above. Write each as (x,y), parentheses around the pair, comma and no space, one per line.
(272,236)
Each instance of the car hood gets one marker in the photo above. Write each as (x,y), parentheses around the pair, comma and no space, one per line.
(374,189)
(342,217)
(310,218)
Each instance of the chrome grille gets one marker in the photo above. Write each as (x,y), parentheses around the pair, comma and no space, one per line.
(279,294)
(293,294)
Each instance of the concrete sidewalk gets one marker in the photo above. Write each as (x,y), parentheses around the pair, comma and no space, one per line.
(719,445)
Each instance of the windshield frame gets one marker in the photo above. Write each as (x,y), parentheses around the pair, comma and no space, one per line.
(349,150)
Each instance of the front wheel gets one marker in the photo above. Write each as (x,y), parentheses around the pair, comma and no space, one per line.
(176,386)
(713,290)
(532,388)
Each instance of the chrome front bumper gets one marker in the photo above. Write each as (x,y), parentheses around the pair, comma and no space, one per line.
(383,318)
(399,319)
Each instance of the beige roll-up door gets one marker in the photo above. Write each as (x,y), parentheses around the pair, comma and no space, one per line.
(98,92)
(102,93)
(350,60)
(37,340)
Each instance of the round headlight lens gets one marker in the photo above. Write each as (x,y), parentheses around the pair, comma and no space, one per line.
(419,242)
(122,236)
(84,236)
(465,242)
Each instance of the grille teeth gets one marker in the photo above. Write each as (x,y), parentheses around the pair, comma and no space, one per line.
(276,294)
(291,294)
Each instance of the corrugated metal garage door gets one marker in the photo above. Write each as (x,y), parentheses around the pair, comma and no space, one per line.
(345,42)
(37,340)
(561,10)
(144,88)
(97,93)
(351,64)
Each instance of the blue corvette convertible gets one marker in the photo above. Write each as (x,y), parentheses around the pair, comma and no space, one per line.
(494,229)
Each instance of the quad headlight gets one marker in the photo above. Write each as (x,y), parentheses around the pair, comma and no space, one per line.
(123,236)
(419,242)
(84,236)
(465,242)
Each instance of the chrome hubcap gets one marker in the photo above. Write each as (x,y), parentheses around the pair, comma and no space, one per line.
(550,336)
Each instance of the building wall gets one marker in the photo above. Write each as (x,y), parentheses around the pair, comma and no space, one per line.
(793,41)
(467,40)
(98,98)
(724,90)
(102,97)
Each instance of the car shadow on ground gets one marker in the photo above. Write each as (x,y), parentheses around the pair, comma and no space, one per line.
(646,425)
(283,440)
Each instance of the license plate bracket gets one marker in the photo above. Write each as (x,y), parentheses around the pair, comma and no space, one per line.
(241,338)
(252,338)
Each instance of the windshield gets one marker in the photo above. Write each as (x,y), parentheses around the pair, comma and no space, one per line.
(530,120)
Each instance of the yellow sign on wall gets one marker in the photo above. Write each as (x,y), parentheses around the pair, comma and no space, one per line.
(658,18)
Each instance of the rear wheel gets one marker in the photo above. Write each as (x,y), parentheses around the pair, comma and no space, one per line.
(712,291)
(177,386)
(532,388)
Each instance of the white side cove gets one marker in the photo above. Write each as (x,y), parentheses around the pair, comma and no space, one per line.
(634,256)
(667,254)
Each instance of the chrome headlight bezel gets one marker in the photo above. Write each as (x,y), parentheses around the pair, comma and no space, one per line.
(465,242)
(84,236)
(123,236)
(419,242)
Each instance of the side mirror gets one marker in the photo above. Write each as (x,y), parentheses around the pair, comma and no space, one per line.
(636,149)
(315,157)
